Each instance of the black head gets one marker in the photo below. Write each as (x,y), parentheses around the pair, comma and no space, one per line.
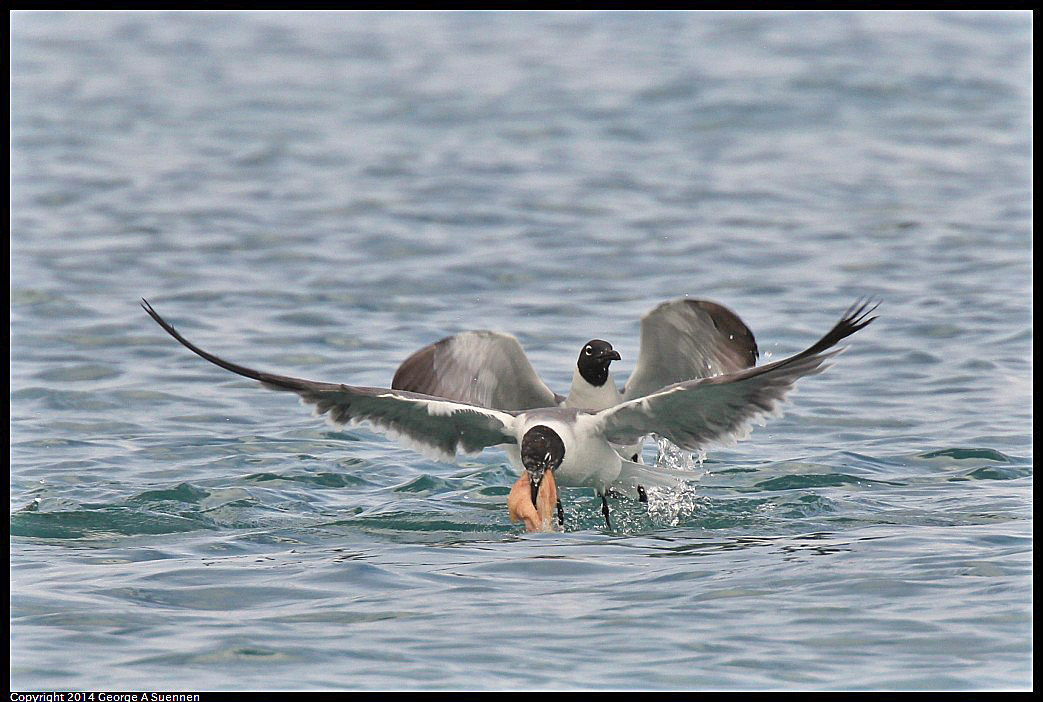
(541,450)
(594,359)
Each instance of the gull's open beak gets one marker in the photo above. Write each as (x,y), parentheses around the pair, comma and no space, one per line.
(534,501)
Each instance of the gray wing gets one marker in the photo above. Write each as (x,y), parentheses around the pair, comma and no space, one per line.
(483,368)
(722,408)
(689,339)
(433,425)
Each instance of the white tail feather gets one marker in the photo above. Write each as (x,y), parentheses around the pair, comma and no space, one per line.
(633,474)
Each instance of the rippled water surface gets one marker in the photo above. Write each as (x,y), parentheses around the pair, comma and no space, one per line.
(320,195)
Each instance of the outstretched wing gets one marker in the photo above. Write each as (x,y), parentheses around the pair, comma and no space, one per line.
(433,425)
(686,340)
(696,412)
(483,368)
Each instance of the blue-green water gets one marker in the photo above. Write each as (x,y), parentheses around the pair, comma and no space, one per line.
(320,195)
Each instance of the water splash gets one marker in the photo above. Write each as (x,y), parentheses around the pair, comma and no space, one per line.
(672,456)
(668,506)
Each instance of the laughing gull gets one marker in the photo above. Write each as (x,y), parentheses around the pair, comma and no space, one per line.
(575,445)
(681,340)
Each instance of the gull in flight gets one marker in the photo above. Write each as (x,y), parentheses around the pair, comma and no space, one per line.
(682,339)
(565,446)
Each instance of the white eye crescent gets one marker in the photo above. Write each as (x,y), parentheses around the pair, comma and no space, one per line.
(587,350)
(548,457)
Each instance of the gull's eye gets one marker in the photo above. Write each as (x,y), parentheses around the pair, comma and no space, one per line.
(587,350)
(548,458)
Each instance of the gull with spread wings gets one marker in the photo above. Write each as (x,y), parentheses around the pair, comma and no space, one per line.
(565,446)
(682,339)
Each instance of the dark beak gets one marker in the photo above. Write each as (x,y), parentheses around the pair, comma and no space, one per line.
(535,479)
(611,354)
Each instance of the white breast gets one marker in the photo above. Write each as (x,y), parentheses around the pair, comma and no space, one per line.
(583,395)
(589,460)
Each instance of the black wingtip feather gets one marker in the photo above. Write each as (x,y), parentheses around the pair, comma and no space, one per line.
(267,378)
(856,317)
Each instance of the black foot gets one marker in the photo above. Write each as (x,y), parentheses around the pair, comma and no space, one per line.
(633,459)
(604,511)
(561,515)
(641,494)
